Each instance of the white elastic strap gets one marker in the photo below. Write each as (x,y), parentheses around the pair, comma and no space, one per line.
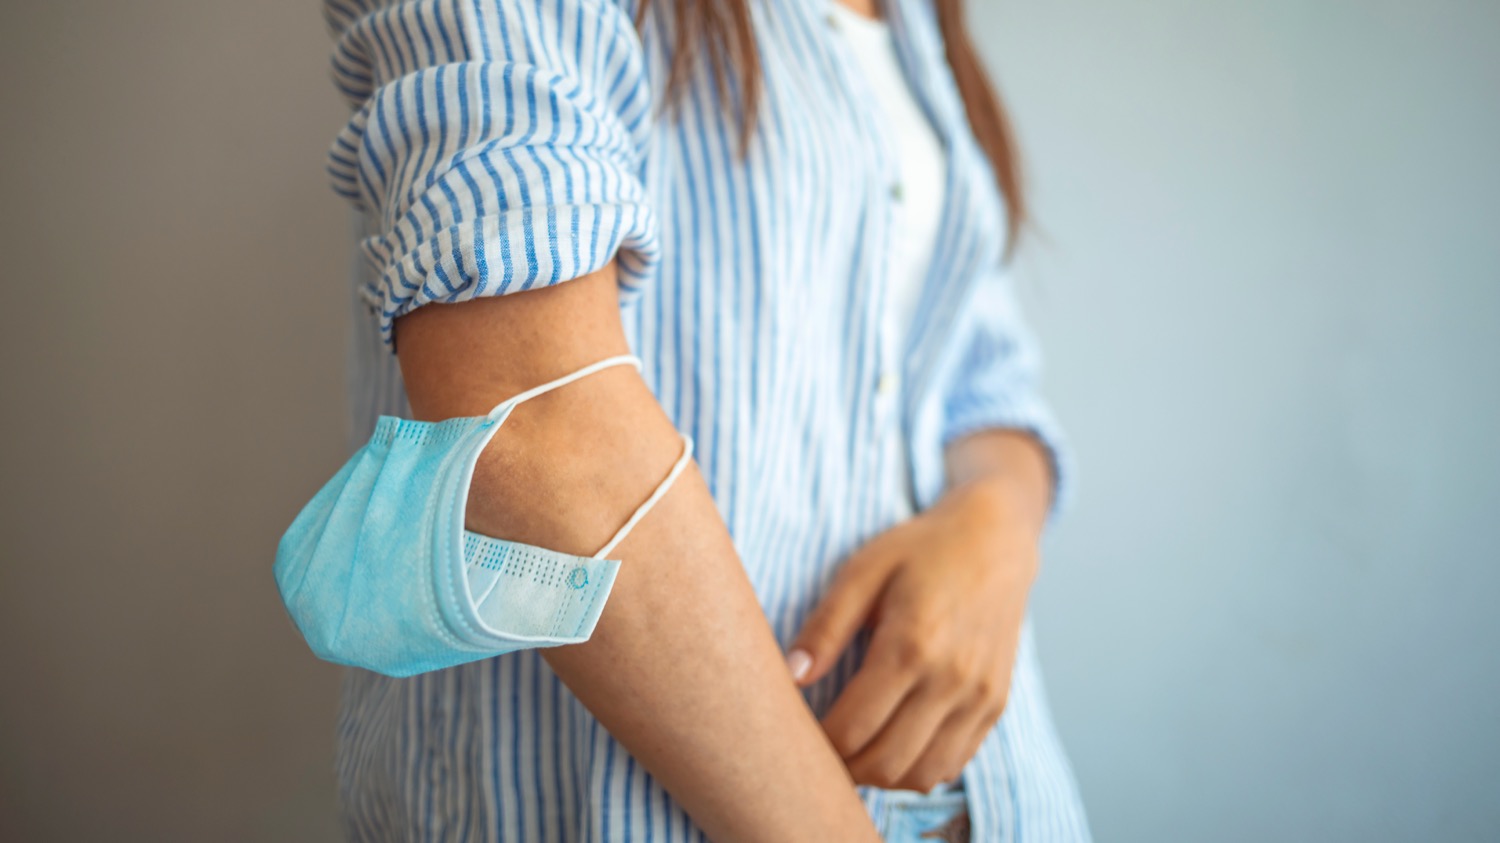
(503,410)
(661,489)
(504,407)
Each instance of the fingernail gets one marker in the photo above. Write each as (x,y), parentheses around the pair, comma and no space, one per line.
(799,662)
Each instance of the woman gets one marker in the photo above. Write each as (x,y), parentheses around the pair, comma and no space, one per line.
(797,214)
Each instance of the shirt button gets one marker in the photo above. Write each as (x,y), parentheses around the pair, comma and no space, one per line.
(896,191)
(832,20)
(886,384)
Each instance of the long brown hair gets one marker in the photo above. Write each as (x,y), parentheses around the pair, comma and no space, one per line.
(722,31)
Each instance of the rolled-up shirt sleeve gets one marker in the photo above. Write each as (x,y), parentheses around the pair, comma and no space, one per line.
(997,381)
(496,145)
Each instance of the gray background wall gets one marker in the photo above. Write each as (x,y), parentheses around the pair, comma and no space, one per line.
(1270,295)
(1272,304)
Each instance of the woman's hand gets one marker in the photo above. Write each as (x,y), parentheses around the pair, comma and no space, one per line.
(946,594)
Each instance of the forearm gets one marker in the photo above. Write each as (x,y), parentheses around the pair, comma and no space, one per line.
(682,667)
(1009,468)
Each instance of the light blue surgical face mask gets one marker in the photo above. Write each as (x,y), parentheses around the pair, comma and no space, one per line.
(378,571)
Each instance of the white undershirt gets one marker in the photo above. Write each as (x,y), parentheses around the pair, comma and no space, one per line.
(920,189)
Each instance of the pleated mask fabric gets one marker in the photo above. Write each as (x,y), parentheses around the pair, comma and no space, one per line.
(378,571)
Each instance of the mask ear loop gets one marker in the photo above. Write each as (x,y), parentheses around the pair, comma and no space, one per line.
(661,489)
(502,411)
(504,408)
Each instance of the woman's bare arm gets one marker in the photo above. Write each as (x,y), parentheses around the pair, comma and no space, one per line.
(682,667)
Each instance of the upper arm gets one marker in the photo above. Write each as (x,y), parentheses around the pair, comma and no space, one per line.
(497,144)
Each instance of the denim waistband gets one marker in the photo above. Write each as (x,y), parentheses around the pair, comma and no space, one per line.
(954,798)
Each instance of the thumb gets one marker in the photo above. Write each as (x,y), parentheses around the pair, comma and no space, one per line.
(838,616)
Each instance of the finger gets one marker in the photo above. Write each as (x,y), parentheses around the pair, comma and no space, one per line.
(871,695)
(886,760)
(955,742)
(842,611)
(988,720)
(990,713)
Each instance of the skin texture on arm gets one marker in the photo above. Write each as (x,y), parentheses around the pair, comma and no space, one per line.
(682,667)
(946,594)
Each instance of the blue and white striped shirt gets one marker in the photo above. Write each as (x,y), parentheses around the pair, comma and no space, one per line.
(503,145)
